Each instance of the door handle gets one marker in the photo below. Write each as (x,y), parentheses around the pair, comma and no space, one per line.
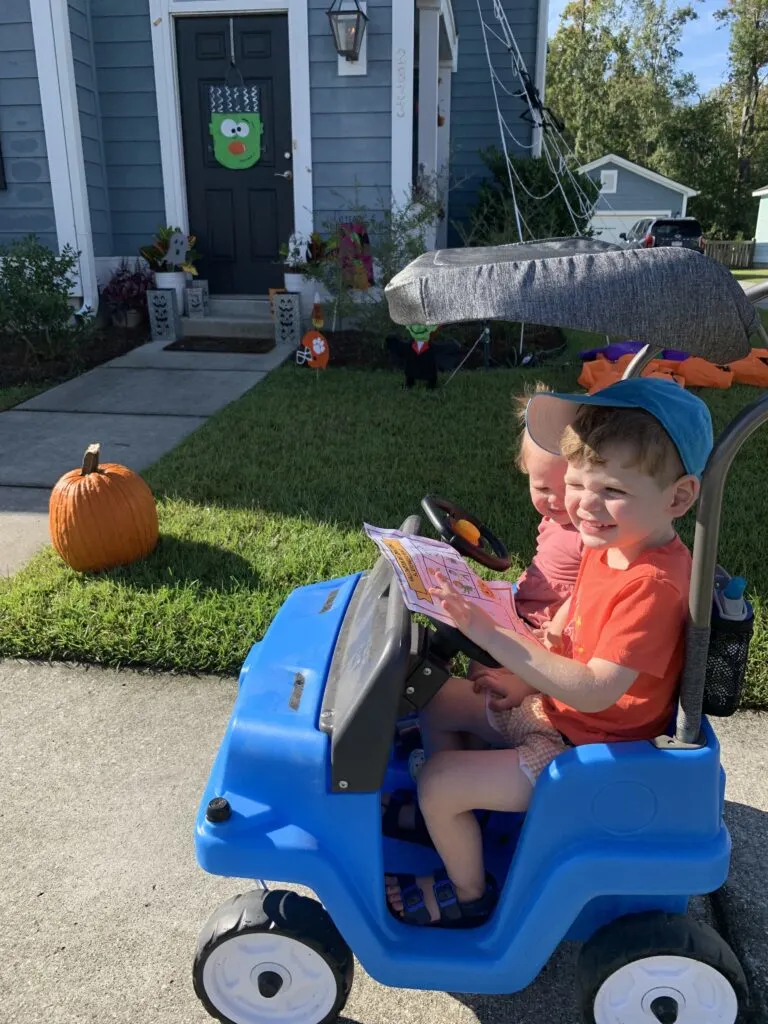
(288,175)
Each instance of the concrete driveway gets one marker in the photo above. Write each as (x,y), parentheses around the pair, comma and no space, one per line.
(101,899)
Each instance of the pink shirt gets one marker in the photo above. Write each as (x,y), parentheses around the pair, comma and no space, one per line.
(550,578)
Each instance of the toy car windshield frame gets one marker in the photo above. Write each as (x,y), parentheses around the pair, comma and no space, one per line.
(365,681)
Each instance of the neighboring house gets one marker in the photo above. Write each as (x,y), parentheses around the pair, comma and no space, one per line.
(104,121)
(760,258)
(629,192)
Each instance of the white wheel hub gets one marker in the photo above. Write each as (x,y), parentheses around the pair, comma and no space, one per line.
(658,987)
(268,978)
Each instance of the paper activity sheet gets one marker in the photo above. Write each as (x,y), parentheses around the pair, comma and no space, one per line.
(418,560)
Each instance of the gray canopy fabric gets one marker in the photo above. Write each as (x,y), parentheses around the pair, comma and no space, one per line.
(666,297)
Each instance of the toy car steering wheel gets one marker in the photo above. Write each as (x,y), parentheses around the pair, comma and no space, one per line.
(466,533)
(449,641)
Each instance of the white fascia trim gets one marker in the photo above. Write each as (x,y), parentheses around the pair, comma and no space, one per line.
(403,28)
(631,213)
(540,75)
(449,23)
(162,13)
(63,141)
(642,172)
(761,191)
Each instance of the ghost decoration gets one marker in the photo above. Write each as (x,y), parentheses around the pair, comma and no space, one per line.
(178,246)
(235,126)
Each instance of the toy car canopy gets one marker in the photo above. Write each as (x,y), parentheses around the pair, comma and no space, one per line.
(664,296)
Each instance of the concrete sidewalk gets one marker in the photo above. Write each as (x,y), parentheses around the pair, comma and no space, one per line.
(102,899)
(138,407)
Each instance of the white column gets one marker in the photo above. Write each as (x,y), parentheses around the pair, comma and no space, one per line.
(429,56)
(444,145)
(403,26)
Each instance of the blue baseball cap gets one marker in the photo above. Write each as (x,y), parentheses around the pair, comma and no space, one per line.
(684,416)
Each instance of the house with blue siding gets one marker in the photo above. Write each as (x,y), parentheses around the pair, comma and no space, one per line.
(107,109)
(629,192)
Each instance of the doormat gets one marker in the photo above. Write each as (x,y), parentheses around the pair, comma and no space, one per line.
(243,346)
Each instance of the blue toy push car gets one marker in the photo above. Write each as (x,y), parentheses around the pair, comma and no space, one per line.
(617,837)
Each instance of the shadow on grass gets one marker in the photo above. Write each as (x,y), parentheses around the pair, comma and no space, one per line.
(178,562)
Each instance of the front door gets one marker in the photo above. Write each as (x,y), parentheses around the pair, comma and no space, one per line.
(240,209)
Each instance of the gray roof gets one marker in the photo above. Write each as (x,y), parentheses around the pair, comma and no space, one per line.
(666,297)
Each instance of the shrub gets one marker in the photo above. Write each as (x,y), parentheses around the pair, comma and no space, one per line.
(35,305)
(127,288)
(544,212)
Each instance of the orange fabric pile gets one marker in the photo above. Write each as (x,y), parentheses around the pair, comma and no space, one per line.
(692,372)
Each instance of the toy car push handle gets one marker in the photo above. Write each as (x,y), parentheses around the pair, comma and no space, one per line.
(465,533)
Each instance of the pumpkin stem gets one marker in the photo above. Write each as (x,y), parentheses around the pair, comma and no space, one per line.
(91,459)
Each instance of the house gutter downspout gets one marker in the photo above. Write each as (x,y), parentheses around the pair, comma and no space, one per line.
(63,139)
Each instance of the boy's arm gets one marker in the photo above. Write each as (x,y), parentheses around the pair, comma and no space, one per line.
(591,687)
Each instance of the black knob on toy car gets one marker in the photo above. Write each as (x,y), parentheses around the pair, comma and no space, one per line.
(466,533)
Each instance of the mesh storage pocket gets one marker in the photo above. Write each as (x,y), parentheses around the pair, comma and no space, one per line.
(726,665)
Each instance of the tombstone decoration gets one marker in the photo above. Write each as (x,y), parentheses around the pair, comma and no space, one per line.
(287,318)
(202,285)
(164,320)
(195,303)
(235,125)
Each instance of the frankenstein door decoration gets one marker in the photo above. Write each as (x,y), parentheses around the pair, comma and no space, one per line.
(235,124)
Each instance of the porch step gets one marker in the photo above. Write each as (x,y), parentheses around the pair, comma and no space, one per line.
(218,326)
(254,306)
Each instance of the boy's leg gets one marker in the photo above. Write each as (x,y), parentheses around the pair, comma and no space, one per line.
(452,785)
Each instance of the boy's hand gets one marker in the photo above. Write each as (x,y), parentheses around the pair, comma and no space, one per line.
(473,622)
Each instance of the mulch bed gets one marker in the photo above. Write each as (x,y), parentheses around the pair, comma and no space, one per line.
(357,349)
(19,366)
(241,346)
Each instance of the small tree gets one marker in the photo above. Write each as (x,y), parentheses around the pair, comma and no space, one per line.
(397,236)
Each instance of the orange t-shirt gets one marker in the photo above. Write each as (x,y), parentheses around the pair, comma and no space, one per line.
(635,618)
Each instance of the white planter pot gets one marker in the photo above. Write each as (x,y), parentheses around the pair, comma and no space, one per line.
(176,279)
(127,317)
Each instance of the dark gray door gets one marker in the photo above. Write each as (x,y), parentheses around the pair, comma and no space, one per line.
(240,216)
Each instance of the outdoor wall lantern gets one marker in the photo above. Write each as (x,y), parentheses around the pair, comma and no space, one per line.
(348,21)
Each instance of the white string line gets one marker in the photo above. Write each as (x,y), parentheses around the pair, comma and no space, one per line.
(501,130)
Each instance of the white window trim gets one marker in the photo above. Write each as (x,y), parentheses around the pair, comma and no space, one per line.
(540,74)
(162,13)
(604,190)
(63,141)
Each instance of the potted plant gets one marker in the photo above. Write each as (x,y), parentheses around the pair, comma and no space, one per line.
(300,255)
(169,273)
(126,294)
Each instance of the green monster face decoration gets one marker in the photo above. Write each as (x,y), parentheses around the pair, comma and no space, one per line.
(421,332)
(235,125)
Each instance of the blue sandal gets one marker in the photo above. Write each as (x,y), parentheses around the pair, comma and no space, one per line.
(453,914)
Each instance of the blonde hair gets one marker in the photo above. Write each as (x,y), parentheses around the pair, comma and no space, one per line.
(521,404)
(652,450)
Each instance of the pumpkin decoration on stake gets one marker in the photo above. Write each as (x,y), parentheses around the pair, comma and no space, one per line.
(102,516)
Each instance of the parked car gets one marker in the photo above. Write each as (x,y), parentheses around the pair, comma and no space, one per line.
(652,232)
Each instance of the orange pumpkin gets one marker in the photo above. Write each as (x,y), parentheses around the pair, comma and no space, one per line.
(102,516)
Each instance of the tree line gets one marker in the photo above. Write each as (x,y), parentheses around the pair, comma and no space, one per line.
(614,78)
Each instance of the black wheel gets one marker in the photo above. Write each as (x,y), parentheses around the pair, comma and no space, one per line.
(657,968)
(272,956)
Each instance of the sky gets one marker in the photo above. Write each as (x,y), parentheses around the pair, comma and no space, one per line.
(704,46)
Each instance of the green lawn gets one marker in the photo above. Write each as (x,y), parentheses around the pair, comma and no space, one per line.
(13,396)
(272,493)
(753,275)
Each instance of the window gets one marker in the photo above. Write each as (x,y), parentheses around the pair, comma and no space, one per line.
(608,181)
